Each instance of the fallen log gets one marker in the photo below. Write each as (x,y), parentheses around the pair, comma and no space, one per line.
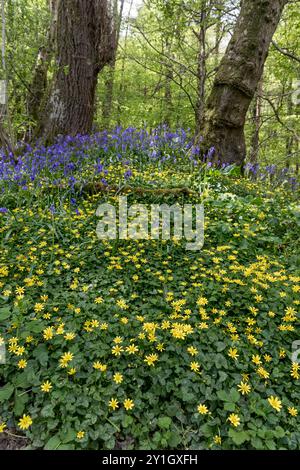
(95,188)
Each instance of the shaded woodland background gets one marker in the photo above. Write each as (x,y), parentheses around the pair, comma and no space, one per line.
(157,64)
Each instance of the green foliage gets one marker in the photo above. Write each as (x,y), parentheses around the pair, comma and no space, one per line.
(188,311)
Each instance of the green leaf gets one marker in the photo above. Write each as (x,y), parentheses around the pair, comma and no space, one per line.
(41,354)
(47,411)
(174,440)
(229,406)
(20,402)
(34,326)
(6,392)
(223,376)
(66,447)
(4,313)
(110,443)
(127,421)
(68,436)
(279,432)
(234,396)
(164,422)
(220,346)
(53,443)
(222,395)
(238,437)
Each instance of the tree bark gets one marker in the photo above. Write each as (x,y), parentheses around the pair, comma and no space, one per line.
(256,116)
(201,69)
(85,44)
(237,78)
(110,81)
(38,87)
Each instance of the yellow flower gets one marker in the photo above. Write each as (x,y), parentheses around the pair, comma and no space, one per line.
(233,353)
(295,371)
(218,440)
(195,366)
(20,351)
(22,364)
(99,366)
(118,339)
(244,388)
(122,304)
(192,351)
(202,301)
(282,353)
(25,422)
(293,411)
(118,378)
(72,371)
(69,336)
(46,386)
(48,333)
(2,427)
(132,349)
(275,403)
(234,420)
(113,403)
(39,307)
(151,359)
(202,409)
(256,360)
(80,434)
(117,350)
(65,359)
(263,373)
(20,290)
(128,404)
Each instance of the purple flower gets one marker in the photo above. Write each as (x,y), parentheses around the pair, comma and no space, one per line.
(3,210)
(52,209)
(127,174)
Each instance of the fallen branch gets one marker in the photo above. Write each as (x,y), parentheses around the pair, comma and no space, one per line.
(95,188)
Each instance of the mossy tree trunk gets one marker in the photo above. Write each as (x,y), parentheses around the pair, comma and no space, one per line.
(239,73)
(85,43)
(39,83)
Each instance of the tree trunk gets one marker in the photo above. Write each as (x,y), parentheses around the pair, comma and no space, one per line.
(38,87)
(168,98)
(237,78)
(85,43)
(289,141)
(256,116)
(201,69)
(110,81)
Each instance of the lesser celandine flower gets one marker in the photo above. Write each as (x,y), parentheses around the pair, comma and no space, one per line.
(233,353)
(46,386)
(118,378)
(128,404)
(244,388)
(113,403)
(202,409)
(275,403)
(293,411)
(234,419)
(25,422)
(2,427)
